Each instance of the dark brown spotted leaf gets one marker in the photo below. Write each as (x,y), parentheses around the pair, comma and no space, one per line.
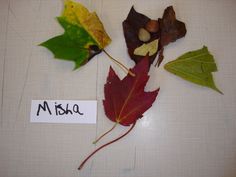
(170,29)
(131,26)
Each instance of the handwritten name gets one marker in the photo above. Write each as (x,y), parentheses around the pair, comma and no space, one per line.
(64,111)
(59,109)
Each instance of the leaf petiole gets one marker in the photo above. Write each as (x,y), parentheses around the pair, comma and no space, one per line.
(119,64)
(105,133)
(101,147)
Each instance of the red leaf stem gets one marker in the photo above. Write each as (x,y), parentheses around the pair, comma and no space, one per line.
(101,147)
(104,134)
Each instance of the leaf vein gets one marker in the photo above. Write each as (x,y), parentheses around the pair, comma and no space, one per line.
(127,99)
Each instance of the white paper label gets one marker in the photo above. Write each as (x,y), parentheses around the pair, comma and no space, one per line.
(64,111)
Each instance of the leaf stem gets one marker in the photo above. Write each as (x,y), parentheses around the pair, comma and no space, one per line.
(119,64)
(105,133)
(160,57)
(101,147)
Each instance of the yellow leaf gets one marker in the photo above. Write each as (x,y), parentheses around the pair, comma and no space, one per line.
(77,14)
(149,48)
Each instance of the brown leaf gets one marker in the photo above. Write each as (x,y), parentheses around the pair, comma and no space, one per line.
(131,26)
(171,28)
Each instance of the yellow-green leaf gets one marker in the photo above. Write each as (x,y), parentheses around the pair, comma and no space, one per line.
(195,66)
(77,14)
(84,35)
(149,48)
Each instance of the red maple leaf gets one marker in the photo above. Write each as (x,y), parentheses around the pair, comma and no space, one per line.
(125,100)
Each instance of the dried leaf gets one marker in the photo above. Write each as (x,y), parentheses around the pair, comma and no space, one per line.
(125,100)
(195,66)
(149,48)
(169,30)
(131,26)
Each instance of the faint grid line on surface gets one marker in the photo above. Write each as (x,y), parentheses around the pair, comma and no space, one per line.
(4,63)
(97,82)
(28,66)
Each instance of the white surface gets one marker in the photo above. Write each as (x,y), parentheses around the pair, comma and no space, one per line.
(189,132)
(64,111)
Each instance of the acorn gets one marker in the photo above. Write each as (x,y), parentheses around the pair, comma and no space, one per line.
(144,35)
(152,26)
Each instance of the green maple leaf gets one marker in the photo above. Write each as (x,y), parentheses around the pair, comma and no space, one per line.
(84,35)
(195,66)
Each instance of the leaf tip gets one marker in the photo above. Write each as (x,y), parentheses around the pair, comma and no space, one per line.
(94,142)
(112,75)
(218,90)
(156,92)
(111,70)
(41,44)
(204,47)
(166,66)
(76,67)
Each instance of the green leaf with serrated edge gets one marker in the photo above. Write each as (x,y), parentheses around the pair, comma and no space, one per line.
(195,66)
(73,45)
(84,35)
